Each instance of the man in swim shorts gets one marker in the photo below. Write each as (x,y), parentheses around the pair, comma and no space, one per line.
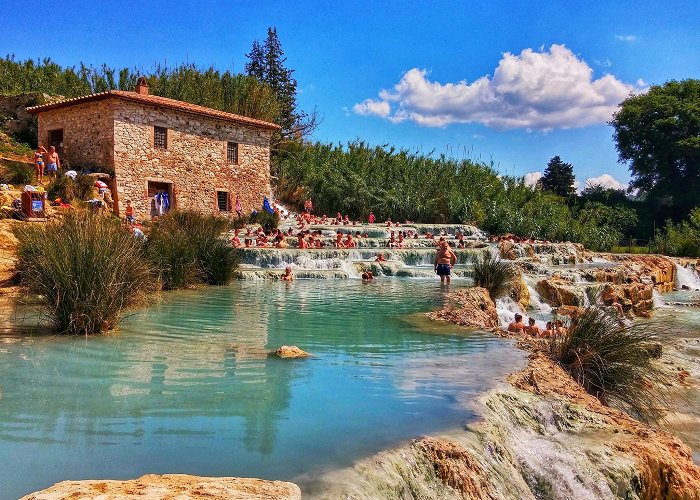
(53,163)
(445,258)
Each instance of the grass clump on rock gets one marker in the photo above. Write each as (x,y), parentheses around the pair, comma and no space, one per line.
(614,362)
(187,248)
(492,273)
(86,269)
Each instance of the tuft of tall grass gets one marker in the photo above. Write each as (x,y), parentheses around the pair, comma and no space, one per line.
(187,248)
(86,269)
(16,172)
(492,273)
(614,362)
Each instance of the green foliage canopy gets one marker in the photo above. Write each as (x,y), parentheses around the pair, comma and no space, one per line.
(658,134)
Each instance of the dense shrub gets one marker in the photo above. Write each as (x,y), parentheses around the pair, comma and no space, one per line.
(86,269)
(405,185)
(69,190)
(265,219)
(15,172)
(492,273)
(187,248)
(682,239)
(613,362)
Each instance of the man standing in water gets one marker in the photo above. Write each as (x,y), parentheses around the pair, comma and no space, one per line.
(445,258)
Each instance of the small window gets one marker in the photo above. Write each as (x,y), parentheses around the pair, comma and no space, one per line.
(232,153)
(222,201)
(160,137)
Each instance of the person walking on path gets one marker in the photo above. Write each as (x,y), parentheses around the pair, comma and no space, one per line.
(445,258)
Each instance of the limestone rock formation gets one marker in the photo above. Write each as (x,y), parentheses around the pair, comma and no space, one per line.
(519,292)
(470,307)
(152,487)
(291,351)
(558,292)
(657,270)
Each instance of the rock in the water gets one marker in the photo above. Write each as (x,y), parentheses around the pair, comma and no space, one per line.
(291,351)
(471,307)
(153,486)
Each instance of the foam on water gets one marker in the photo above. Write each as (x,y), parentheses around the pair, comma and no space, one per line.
(686,277)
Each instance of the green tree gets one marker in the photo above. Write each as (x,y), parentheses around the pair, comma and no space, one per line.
(267,64)
(658,135)
(558,177)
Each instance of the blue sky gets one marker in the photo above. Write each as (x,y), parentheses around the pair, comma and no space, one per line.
(511,82)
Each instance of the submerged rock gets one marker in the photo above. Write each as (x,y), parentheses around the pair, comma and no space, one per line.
(153,486)
(291,351)
(470,307)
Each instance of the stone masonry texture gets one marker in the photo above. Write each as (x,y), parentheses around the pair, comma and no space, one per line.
(119,134)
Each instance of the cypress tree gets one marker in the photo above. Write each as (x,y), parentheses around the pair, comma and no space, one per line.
(558,177)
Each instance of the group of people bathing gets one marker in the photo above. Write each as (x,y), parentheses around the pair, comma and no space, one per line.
(553,327)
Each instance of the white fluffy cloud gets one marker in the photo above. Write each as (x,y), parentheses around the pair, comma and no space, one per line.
(533,90)
(372,107)
(531,178)
(606,181)
(626,38)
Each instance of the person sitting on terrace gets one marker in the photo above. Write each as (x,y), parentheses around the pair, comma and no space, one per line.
(517,326)
(548,331)
(358,235)
(288,275)
(367,276)
(236,241)
(392,240)
(532,329)
(338,240)
(349,243)
(380,258)
(400,243)
(301,242)
(388,222)
(248,242)
(560,328)
(261,240)
(280,242)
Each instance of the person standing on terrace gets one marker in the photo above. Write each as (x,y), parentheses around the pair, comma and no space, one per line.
(53,162)
(445,258)
(308,206)
(39,163)
(371,218)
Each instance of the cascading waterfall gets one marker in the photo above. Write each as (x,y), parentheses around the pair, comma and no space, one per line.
(686,278)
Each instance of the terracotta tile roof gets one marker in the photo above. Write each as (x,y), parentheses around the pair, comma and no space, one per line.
(155,100)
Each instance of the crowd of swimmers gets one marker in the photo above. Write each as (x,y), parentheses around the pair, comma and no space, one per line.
(552,328)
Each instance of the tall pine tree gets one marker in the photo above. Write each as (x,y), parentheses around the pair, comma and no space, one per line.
(266,63)
(559,177)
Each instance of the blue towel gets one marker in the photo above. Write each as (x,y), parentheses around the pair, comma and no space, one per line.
(266,206)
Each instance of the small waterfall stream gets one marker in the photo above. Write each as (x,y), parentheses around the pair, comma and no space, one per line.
(686,279)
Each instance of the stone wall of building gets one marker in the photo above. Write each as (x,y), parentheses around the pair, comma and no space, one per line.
(88,133)
(194,162)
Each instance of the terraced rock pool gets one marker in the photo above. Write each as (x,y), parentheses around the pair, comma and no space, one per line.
(187,385)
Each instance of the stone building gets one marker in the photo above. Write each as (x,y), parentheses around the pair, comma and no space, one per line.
(202,158)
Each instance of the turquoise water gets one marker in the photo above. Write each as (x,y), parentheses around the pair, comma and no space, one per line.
(186,386)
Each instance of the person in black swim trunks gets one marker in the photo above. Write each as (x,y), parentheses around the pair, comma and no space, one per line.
(445,258)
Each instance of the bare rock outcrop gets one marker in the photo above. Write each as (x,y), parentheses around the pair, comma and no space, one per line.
(152,487)
(557,292)
(663,463)
(657,270)
(470,307)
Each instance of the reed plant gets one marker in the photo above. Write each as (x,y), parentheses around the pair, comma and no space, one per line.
(86,269)
(614,362)
(188,248)
(492,273)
